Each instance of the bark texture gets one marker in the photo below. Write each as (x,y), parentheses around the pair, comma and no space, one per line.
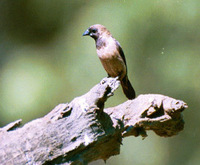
(82,131)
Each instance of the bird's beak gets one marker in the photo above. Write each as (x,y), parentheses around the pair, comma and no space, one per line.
(86,33)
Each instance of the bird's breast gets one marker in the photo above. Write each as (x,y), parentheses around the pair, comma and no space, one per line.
(108,51)
(111,60)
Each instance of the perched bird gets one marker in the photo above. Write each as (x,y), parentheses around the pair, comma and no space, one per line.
(111,56)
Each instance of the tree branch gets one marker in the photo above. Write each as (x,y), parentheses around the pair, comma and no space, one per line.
(83,131)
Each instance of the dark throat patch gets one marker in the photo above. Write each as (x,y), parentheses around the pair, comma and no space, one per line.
(100,43)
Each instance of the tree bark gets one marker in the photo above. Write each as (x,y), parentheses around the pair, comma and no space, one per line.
(82,131)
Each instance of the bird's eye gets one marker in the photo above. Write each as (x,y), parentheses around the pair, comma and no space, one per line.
(94,30)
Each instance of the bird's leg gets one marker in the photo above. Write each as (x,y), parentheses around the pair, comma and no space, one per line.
(118,77)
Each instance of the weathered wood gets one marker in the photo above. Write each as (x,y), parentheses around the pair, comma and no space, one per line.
(83,131)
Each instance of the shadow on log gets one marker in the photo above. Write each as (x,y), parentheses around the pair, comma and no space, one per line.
(82,131)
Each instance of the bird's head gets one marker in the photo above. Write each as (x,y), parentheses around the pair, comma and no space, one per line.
(96,31)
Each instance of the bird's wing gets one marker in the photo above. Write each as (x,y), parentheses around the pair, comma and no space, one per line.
(121,51)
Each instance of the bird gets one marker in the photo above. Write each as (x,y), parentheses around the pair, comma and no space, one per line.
(111,56)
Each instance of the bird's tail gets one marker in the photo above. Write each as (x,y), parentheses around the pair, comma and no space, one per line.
(127,88)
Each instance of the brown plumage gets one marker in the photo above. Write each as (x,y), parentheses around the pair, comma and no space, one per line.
(112,56)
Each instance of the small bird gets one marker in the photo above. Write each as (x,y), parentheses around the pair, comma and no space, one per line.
(111,56)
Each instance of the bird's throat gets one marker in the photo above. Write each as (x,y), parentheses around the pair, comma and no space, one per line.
(100,43)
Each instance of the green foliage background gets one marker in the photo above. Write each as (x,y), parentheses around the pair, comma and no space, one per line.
(44,61)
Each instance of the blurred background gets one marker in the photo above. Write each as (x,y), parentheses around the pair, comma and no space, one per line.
(44,61)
